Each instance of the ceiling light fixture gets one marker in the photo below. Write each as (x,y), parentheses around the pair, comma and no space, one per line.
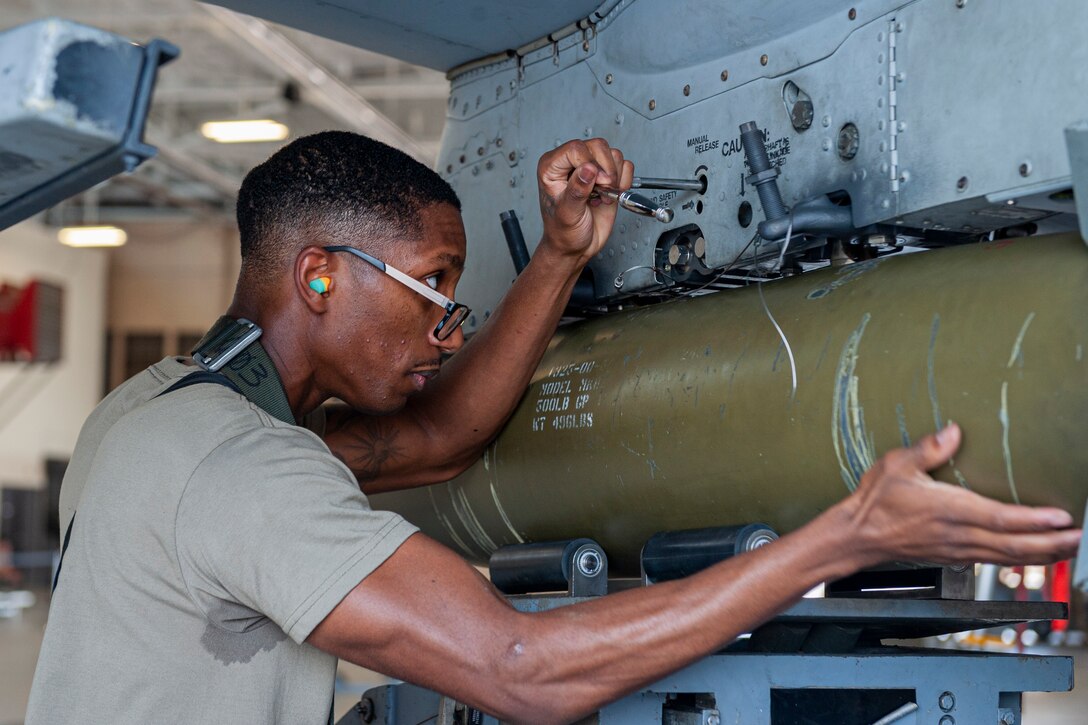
(244,131)
(99,236)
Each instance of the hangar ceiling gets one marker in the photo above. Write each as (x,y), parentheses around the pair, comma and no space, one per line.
(437,34)
(238,67)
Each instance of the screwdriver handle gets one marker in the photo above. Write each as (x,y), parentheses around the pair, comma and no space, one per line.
(636,203)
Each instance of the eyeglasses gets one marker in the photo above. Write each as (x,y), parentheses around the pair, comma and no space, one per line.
(456,313)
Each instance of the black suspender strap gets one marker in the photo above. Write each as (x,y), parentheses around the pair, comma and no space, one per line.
(63,548)
(255,377)
(202,376)
(248,372)
(249,368)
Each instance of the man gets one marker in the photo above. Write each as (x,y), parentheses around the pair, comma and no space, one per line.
(221,557)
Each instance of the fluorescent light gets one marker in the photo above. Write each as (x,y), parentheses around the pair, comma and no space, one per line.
(244,131)
(105,236)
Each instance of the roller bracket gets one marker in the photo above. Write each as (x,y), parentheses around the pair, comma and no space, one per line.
(578,566)
(907,581)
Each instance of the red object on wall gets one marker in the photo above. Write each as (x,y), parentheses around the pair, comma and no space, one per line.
(1060,591)
(30,322)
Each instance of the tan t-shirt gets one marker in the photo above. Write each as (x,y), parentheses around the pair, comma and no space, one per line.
(209,540)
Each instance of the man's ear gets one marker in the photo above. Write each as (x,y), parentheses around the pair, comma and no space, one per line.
(315,280)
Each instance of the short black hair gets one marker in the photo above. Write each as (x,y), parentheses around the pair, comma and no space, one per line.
(333,187)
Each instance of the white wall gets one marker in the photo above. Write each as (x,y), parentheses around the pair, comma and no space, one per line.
(42,408)
(180,274)
(170,278)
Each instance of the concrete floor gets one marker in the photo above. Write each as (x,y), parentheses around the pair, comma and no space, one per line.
(20,638)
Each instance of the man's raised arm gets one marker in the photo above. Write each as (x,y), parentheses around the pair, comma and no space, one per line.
(442,431)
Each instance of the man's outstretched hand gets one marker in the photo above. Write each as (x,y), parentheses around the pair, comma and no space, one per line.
(900,513)
(573,222)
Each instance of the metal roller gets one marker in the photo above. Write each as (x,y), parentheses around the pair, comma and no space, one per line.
(548,566)
(675,554)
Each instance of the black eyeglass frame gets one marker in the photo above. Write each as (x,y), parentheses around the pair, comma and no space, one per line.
(456,313)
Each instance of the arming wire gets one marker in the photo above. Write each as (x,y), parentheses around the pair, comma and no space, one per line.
(777,327)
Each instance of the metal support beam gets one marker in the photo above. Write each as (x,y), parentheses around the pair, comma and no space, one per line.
(195,168)
(322,87)
(407,88)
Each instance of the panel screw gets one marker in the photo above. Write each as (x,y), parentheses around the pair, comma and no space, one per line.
(1025,169)
(449,168)
(498,143)
(1007,718)
(653,104)
(462,158)
(608,79)
(961,3)
(853,14)
(849,140)
(687,90)
(763,59)
(480,151)
(961,184)
(725,75)
(512,156)
(713,719)
(946,701)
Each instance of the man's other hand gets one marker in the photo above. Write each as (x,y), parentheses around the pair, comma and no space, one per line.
(900,513)
(573,222)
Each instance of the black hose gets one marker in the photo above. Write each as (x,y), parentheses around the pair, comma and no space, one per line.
(515,240)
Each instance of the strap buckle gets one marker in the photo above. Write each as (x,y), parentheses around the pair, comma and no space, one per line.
(224,341)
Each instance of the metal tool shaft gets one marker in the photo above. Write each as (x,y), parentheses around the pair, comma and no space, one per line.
(650,182)
(636,203)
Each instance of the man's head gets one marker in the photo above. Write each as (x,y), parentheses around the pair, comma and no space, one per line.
(337,186)
(367,339)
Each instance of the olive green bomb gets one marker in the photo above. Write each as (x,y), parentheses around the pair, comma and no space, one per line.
(686,414)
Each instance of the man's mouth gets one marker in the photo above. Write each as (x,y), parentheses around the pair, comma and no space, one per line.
(420,376)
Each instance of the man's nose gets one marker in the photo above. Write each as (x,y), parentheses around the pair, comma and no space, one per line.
(451,344)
